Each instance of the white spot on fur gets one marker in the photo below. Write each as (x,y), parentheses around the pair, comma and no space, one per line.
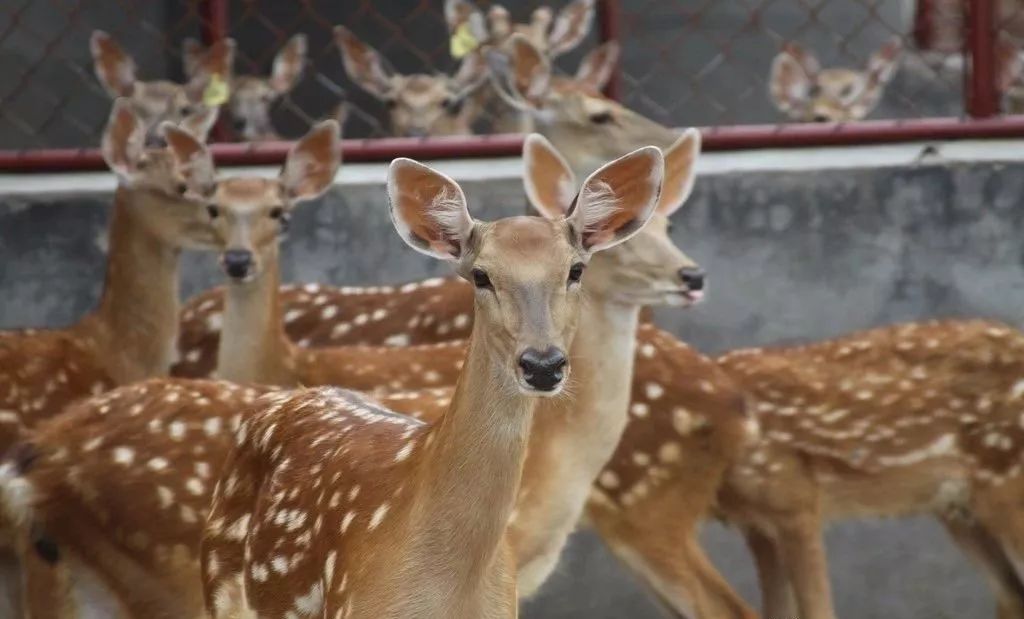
(124,456)
(378,516)
(653,391)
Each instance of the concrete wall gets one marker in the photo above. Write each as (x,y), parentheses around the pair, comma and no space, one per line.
(791,256)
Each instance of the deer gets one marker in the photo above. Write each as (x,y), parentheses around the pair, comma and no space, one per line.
(915,418)
(418,104)
(156,101)
(252,96)
(805,92)
(553,35)
(174,422)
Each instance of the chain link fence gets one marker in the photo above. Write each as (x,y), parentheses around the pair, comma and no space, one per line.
(722,64)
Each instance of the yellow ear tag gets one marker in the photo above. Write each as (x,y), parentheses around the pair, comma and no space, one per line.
(216,92)
(463,41)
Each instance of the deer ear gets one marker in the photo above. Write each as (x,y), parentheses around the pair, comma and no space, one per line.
(471,75)
(428,210)
(549,181)
(123,139)
(312,163)
(1009,64)
(792,73)
(596,68)
(191,57)
(882,64)
(531,71)
(288,64)
(217,61)
(571,26)
(192,160)
(200,122)
(680,171)
(462,13)
(617,200)
(364,65)
(114,68)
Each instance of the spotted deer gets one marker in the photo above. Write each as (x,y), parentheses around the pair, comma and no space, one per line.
(180,426)
(919,418)
(552,35)
(156,101)
(805,92)
(421,507)
(132,332)
(418,104)
(586,126)
(252,96)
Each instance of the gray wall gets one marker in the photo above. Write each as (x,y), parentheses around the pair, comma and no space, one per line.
(791,256)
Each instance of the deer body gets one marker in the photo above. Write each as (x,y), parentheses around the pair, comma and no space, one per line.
(920,418)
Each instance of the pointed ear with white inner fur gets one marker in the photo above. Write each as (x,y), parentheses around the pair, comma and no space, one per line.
(312,163)
(618,200)
(428,210)
(123,140)
(549,181)
(792,78)
(680,171)
(193,162)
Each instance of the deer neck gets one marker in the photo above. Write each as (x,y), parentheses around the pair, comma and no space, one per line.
(474,465)
(253,345)
(136,323)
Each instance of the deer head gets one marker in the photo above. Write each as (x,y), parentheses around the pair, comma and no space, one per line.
(805,92)
(253,96)
(587,127)
(157,101)
(247,215)
(173,177)
(647,269)
(526,270)
(552,35)
(418,105)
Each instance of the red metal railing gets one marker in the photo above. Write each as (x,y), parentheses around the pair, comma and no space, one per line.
(626,22)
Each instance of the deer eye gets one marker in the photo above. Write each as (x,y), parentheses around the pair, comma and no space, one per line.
(187,110)
(276,213)
(601,118)
(213,211)
(846,92)
(480,279)
(390,103)
(575,273)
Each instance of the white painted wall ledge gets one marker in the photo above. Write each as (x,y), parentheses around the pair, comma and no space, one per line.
(758,160)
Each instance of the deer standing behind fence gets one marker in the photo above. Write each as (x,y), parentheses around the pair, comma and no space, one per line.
(251,96)
(156,101)
(418,104)
(133,330)
(801,89)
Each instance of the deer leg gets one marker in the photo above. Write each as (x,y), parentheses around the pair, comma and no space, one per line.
(803,555)
(776,594)
(987,553)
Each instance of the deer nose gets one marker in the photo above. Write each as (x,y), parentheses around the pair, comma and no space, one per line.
(821,118)
(543,370)
(693,277)
(237,262)
(238,124)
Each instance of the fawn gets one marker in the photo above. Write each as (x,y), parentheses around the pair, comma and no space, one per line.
(805,92)
(418,104)
(425,505)
(252,96)
(158,100)
(919,418)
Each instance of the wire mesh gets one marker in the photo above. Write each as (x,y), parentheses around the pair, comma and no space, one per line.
(684,62)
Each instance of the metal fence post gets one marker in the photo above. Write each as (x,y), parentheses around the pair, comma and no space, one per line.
(608,17)
(981,92)
(213,15)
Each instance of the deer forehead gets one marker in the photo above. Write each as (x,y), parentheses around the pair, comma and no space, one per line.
(249,86)
(531,245)
(832,80)
(245,195)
